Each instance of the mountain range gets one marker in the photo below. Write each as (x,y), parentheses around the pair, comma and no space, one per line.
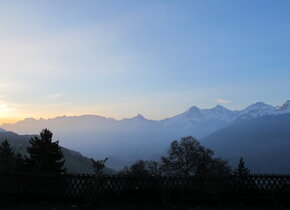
(124,141)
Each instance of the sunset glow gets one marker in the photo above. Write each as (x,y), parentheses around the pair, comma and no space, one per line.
(157,58)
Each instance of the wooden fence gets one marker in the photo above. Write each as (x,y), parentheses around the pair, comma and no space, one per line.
(260,188)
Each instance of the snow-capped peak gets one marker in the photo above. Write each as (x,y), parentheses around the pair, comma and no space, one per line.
(253,111)
(192,109)
(258,106)
(138,117)
(284,107)
(193,113)
(220,108)
(217,113)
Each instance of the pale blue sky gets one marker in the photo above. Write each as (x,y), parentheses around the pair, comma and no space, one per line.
(120,58)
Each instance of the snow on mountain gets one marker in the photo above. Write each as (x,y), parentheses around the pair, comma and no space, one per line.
(260,109)
(195,114)
(199,122)
(192,114)
(220,113)
(138,137)
(138,117)
(256,110)
(284,108)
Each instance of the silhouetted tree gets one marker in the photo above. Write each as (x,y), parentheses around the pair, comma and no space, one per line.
(218,168)
(10,161)
(187,157)
(7,158)
(153,168)
(99,166)
(241,170)
(142,168)
(19,163)
(45,156)
(137,169)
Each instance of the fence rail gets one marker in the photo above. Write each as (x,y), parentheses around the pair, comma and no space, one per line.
(151,189)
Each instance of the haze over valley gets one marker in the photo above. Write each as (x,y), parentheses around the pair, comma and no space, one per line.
(144,104)
(214,70)
(125,141)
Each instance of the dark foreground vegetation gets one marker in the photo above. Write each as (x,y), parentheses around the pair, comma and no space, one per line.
(65,206)
(120,190)
(189,176)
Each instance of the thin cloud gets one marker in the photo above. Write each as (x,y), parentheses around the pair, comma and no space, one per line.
(223,101)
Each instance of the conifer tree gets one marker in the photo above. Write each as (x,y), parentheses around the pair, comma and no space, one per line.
(7,158)
(45,156)
(99,165)
(242,170)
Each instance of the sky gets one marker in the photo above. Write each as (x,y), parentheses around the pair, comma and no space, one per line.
(118,58)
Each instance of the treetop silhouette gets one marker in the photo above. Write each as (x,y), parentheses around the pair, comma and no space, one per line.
(44,156)
(242,170)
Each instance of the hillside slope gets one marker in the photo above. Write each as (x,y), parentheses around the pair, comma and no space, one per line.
(130,139)
(263,142)
(74,161)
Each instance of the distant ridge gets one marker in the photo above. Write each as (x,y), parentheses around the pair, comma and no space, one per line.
(136,138)
(218,112)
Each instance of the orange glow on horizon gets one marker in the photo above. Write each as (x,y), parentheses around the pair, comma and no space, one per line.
(4,120)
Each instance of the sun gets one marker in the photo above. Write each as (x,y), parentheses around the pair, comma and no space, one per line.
(5,114)
(4,109)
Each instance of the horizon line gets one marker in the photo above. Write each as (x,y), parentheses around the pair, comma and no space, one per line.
(135,116)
